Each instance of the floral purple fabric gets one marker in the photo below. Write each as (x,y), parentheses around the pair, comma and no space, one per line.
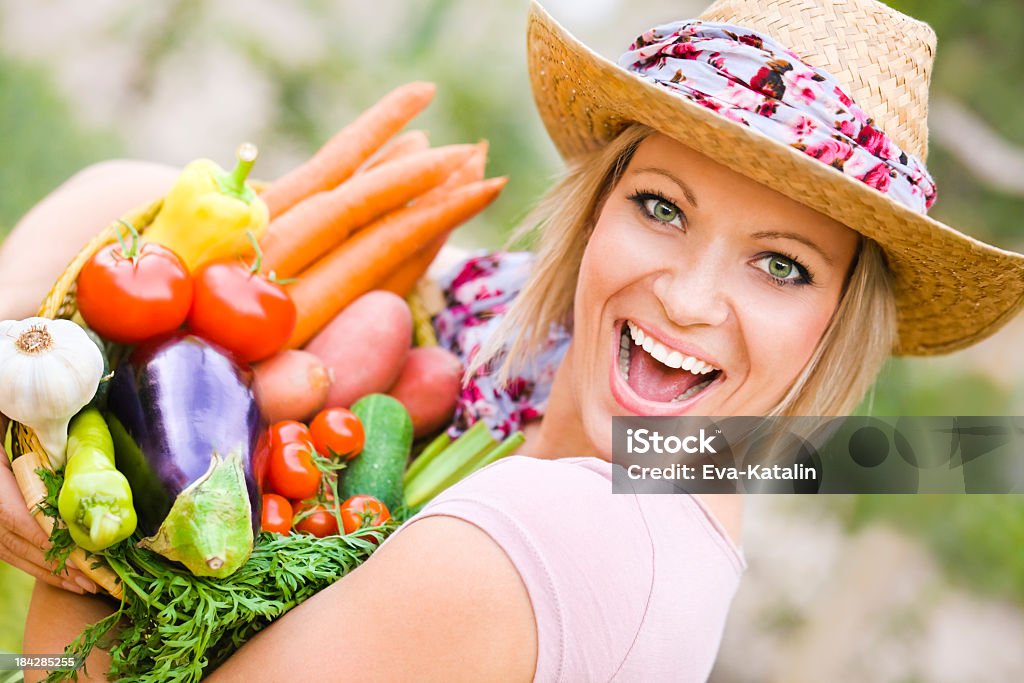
(479,291)
(752,79)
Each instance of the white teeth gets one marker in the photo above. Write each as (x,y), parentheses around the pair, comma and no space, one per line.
(663,354)
(635,333)
(624,357)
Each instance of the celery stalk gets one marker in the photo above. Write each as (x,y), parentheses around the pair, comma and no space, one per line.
(486,456)
(507,447)
(467,467)
(427,456)
(436,475)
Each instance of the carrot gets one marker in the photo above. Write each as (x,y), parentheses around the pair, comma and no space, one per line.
(470,172)
(339,158)
(357,265)
(408,142)
(317,225)
(404,278)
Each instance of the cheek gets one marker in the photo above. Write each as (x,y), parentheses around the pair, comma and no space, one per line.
(597,272)
(617,253)
(786,336)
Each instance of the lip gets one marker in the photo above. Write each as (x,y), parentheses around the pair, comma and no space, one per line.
(686,348)
(637,405)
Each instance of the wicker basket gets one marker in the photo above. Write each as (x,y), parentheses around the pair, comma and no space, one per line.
(60,303)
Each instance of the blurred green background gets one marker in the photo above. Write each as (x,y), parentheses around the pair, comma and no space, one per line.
(186,78)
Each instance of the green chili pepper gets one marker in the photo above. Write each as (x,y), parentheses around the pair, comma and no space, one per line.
(95,501)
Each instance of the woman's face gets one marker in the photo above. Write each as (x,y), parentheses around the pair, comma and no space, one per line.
(701,292)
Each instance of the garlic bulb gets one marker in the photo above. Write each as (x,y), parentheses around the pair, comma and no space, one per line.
(49,370)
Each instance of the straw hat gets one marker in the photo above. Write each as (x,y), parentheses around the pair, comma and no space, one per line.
(951,290)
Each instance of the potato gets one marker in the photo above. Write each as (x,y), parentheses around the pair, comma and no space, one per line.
(291,385)
(429,388)
(365,346)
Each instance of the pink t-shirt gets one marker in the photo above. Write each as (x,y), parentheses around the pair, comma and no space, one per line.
(624,587)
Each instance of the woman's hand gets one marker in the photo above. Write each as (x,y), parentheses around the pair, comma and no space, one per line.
(22,541)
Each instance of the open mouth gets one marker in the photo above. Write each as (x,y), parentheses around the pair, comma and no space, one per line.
(658,373)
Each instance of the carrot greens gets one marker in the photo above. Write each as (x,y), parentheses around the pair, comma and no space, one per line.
(175,627)
(61,543)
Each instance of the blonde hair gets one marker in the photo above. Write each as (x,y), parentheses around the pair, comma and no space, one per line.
(851,352)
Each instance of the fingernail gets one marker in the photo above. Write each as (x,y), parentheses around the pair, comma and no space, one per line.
(86,584)
(73,587)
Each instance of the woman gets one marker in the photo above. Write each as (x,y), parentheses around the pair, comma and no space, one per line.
(735,236)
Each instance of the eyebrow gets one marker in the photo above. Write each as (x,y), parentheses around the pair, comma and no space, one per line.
(690,197)
(775,235)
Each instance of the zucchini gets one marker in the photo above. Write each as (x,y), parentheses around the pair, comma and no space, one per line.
(379,469)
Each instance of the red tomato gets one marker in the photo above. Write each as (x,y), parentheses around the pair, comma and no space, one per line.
(362,510)
(277,514)
(127,297)
(337,432)
(292,472)
(241,310)
(287,431)
(320,523)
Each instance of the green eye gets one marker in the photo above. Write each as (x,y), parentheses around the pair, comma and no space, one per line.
(665,212)
(780,267)
(661,210)
(784,270)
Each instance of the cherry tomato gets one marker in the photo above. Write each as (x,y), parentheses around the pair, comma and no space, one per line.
(128,294)
(320,523)
(241,310)
(261,462)
(292,472)
(287,431)
(337,432)
(362,510)
(277,514)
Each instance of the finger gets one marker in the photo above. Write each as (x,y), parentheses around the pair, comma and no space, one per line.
(17,546)
(38,572)
(14,513)
(22,554)
(34,552)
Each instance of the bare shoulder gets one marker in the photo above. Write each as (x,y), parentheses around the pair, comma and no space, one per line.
(441,588)
(728,510)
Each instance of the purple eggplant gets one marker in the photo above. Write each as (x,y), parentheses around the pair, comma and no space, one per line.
(187,432)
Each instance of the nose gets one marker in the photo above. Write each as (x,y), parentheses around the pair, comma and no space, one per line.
(695,289)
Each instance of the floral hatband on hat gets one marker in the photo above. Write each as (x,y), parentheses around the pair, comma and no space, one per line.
(751,79)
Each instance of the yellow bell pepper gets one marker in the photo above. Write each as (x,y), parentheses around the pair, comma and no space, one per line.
(208,212)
